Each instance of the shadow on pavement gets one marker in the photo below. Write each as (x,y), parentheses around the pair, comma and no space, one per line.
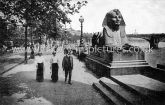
(8,86)
(59,93)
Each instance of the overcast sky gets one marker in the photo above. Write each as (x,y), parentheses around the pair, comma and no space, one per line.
(144,16)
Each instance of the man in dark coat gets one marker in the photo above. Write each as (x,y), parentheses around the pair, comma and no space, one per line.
(67,64)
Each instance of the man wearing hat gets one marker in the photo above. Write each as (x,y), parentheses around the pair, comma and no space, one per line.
(67,64)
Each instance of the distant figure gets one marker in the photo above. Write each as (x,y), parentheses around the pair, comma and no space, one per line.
(39,61)
(54,61)
(55,48)
(32,52)
(67,64)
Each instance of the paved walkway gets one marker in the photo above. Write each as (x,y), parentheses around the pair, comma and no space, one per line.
(48,93)
(9,61)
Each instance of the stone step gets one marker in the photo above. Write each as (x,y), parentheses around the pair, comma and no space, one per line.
(146,87)
(141,81)
(130,97)
(129,63)
(108,95)
(126,61)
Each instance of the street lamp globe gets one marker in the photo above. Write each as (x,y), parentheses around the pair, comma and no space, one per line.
(81,19)
(65,30)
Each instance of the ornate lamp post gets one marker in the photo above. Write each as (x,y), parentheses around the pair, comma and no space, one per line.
(81,19)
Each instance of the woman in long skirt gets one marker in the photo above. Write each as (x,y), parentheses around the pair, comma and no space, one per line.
(54,67)
(40,67)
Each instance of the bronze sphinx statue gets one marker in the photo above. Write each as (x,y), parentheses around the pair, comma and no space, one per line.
(113,31)
(111,53)
(114,37)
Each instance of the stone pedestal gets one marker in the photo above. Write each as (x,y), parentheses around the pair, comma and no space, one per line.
(115,63)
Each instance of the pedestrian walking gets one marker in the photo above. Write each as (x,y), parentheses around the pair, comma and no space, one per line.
(40,67)
(67,64)
(54,61)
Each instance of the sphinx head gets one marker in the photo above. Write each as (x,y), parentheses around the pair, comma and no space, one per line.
(114,19)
